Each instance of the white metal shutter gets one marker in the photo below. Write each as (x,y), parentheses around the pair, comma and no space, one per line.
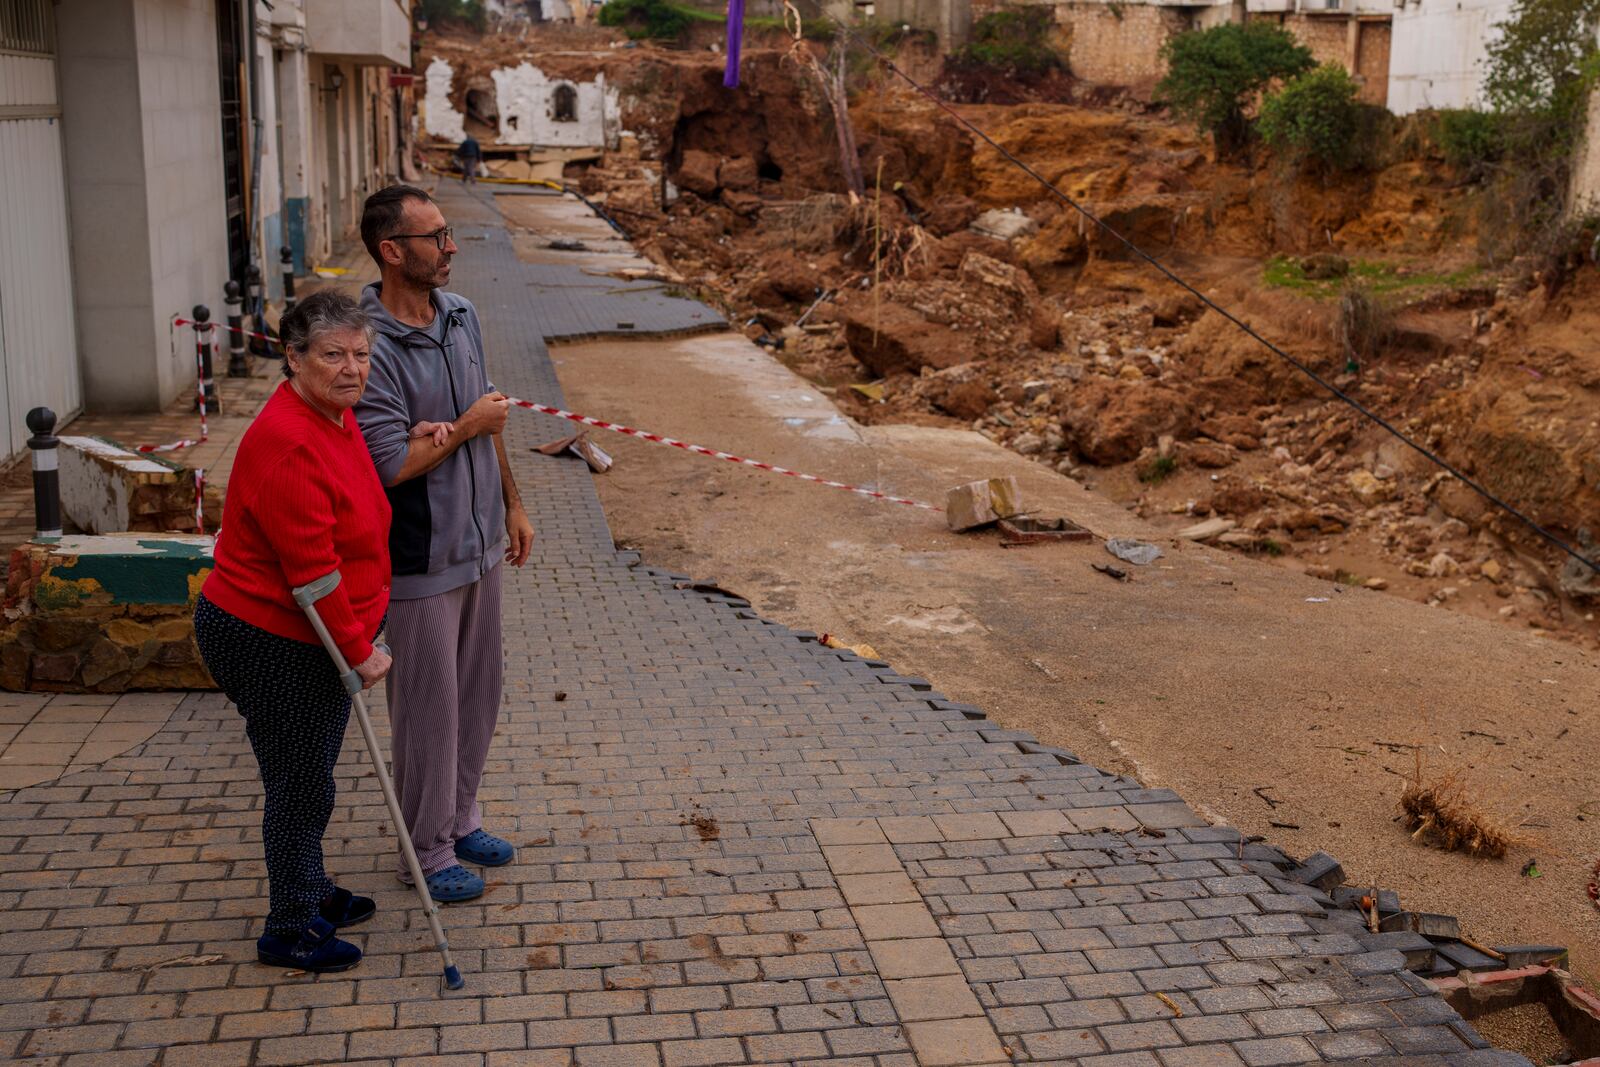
(38,339)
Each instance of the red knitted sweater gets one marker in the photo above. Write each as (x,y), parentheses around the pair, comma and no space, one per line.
(303,499)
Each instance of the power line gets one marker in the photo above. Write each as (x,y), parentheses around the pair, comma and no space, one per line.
(1167,272)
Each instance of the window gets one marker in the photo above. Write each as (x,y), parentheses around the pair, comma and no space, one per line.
(564,104)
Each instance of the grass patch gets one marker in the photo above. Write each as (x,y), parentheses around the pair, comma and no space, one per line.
(1269,547)
(1158,470)
(1377,277)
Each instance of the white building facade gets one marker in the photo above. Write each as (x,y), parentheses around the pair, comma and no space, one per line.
(152,150)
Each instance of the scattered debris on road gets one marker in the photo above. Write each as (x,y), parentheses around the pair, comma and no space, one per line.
(1139,553)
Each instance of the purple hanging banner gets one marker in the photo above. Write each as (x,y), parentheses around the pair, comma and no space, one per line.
(730,77)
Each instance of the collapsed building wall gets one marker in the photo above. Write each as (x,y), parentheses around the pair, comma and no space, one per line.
(536,109)
(440,118)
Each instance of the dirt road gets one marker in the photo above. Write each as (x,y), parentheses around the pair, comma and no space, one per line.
(1280,704)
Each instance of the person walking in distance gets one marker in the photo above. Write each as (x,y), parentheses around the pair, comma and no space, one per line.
(457,516)
(470,155)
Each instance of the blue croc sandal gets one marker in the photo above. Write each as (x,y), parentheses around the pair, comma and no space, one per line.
(343,908)
(453,884)
(315,949)
(485,849)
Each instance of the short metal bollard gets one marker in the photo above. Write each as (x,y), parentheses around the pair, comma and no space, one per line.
(238,361)
(286,257)
(46,473)
(202,348)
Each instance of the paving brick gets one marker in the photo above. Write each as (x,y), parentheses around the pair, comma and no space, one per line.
(1268,1052)
(921,999)
(954,1043)
(882,922)
(704,1053)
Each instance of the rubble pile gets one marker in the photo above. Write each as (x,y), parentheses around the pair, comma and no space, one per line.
(957,292)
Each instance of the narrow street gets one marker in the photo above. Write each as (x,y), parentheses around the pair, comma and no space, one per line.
(736,846)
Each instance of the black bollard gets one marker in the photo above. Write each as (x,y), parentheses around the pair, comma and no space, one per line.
(202,349)
(286,256)
(46,473)
(238,362)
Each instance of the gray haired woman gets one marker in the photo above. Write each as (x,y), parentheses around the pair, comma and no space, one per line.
(303,500)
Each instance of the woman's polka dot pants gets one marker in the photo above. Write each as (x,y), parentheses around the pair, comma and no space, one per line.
(295,710)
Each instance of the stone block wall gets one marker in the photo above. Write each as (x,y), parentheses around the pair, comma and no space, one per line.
(1120,44)
(104,614)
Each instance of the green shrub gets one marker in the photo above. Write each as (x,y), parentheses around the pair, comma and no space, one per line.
(1316,115)
(1214,75)
(1471,140)
(1158,470)
(654,19)
(1016,42)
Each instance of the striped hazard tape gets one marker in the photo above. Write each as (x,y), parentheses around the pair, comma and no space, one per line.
(672,442)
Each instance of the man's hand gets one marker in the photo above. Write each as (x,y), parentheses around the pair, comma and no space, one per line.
(487,415)
(519,535)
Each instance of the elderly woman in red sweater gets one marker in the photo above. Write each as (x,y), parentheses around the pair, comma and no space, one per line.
(303,500)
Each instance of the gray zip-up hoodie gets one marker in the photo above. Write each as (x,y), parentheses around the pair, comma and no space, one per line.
(449,526)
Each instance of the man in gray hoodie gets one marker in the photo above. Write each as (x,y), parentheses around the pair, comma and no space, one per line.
(457,515)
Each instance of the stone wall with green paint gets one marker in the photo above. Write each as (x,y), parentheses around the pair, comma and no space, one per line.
(104,614)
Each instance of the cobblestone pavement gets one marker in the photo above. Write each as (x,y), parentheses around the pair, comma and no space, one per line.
(736,846)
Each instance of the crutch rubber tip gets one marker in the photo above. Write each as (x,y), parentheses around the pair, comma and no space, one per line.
(452,978)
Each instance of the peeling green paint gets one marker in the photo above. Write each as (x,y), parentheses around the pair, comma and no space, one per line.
(104,571)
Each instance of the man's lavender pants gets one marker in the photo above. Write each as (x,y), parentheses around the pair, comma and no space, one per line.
(444,699)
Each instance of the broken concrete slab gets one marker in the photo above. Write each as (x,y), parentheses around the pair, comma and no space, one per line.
(109,488)
(1320,870)
(1530,955)
(980,503)
(1418,950)
(1207,530)
(1428,924)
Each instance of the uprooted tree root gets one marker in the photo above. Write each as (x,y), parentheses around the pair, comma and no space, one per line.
(1440,812)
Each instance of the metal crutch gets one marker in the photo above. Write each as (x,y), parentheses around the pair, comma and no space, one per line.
(307,596)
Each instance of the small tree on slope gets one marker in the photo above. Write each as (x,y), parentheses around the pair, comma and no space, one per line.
(1214,75)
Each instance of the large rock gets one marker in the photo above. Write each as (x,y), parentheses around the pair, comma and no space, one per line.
(1005,225)
(104,614)
(889,338)
(698,173)
(1112,420)
(739,174)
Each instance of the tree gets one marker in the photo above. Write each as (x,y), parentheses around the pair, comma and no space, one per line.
(1537,80)
(1542,66)
(1316,115)
(1214,75)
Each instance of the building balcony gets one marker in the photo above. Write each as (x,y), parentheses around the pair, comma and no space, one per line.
(372,32)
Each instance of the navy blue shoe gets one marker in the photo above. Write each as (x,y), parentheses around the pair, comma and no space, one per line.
(485,849)
(314,949)
(343,908)
(454,884)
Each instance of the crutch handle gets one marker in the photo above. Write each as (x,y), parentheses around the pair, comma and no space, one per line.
(313,591)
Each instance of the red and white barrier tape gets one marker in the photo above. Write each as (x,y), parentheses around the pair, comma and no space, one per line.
(655,438)
(199,500)
(231,329)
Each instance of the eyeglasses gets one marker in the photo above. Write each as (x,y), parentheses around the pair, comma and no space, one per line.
(438,237)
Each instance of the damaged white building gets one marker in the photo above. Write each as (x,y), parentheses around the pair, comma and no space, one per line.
(526,106)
